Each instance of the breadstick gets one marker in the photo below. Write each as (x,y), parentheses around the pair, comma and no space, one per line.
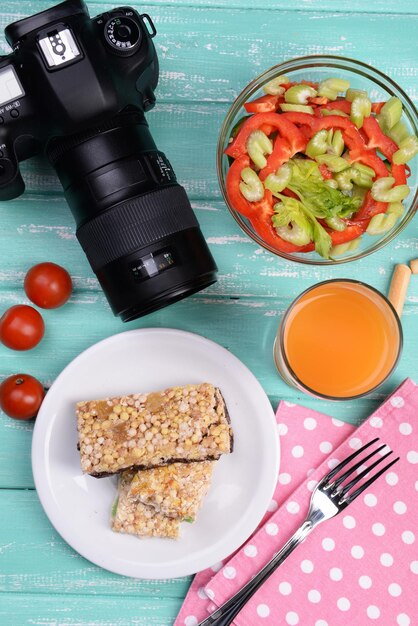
(399,287)
(414,266)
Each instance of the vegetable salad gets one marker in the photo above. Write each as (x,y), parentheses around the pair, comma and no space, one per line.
(315,165)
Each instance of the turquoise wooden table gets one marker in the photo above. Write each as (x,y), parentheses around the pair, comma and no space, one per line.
(208,50)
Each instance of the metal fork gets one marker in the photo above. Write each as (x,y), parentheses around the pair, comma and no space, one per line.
(330,496)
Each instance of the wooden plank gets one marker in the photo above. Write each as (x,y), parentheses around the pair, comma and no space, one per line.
(37,228)
(186,132)
(201,50)
(29,7)
(58,610)
(35,559)
(248,329)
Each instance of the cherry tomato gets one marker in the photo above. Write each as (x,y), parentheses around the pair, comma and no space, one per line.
(48,285)
(21,396)
(21,327)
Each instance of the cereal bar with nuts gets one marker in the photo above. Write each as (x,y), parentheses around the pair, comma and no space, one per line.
(132,517)
(175,490)
(140,431)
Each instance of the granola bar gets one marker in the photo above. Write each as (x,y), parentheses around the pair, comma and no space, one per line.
(140,431)
(175,490)
(135,518)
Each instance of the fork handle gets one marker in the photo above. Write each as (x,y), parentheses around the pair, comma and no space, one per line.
(225,614)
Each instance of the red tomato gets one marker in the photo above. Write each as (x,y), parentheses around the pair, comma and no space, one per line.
(21,327)
(48,285)
(21,396)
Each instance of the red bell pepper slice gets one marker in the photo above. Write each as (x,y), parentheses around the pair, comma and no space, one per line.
(377,138)
(261,210)
(281,154)
(264,104)
(290,194)
(267,129)
(369,208)
(287,129)
(333,121)
(338,105)
(303,82)
(399,174)
(325,171)
(266,231)
(351,232)
(318,100)
(354,140)
(300,119)
(233,179)
(260,219)
(377,107)
(370,159)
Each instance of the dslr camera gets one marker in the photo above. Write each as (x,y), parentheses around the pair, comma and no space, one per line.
(76,89)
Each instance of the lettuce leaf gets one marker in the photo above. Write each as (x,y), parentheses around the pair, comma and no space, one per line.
(321,199)
(296,220)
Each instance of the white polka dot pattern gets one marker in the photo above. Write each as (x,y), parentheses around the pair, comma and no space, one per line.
(386,559)
(373,611)
(250,551)
(364,560)
(336,573)
(285,588)
(397,402)
(297,451)
(365,582)
(370,499)
(343,604)
(272,529)
(307,566)
(412,457)
(376,422)
(229,572)
(405,428)
(309,423)
(314,596)
(349,522)
(263,610)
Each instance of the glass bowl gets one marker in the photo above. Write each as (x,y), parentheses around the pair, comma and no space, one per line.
(316,68)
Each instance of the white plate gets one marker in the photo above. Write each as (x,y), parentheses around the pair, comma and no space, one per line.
(79,506)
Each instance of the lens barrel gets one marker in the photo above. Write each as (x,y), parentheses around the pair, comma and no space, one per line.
(134,221)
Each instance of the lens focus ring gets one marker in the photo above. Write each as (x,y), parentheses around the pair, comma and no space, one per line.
(135,223)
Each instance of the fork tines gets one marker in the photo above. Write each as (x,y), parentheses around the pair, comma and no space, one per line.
(338,488)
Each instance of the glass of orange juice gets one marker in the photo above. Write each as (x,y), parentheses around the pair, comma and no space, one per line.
(339,340)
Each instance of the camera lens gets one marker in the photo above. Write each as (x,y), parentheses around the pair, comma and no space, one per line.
(134,221)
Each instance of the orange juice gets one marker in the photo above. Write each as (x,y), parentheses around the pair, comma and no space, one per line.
(339,339)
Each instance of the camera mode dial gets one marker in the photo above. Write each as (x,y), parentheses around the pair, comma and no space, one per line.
(123,35)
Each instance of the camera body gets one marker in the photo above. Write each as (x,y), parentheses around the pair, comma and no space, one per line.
(68,73)
(76,88)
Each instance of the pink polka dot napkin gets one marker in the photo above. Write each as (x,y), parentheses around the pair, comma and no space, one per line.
(357,569)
